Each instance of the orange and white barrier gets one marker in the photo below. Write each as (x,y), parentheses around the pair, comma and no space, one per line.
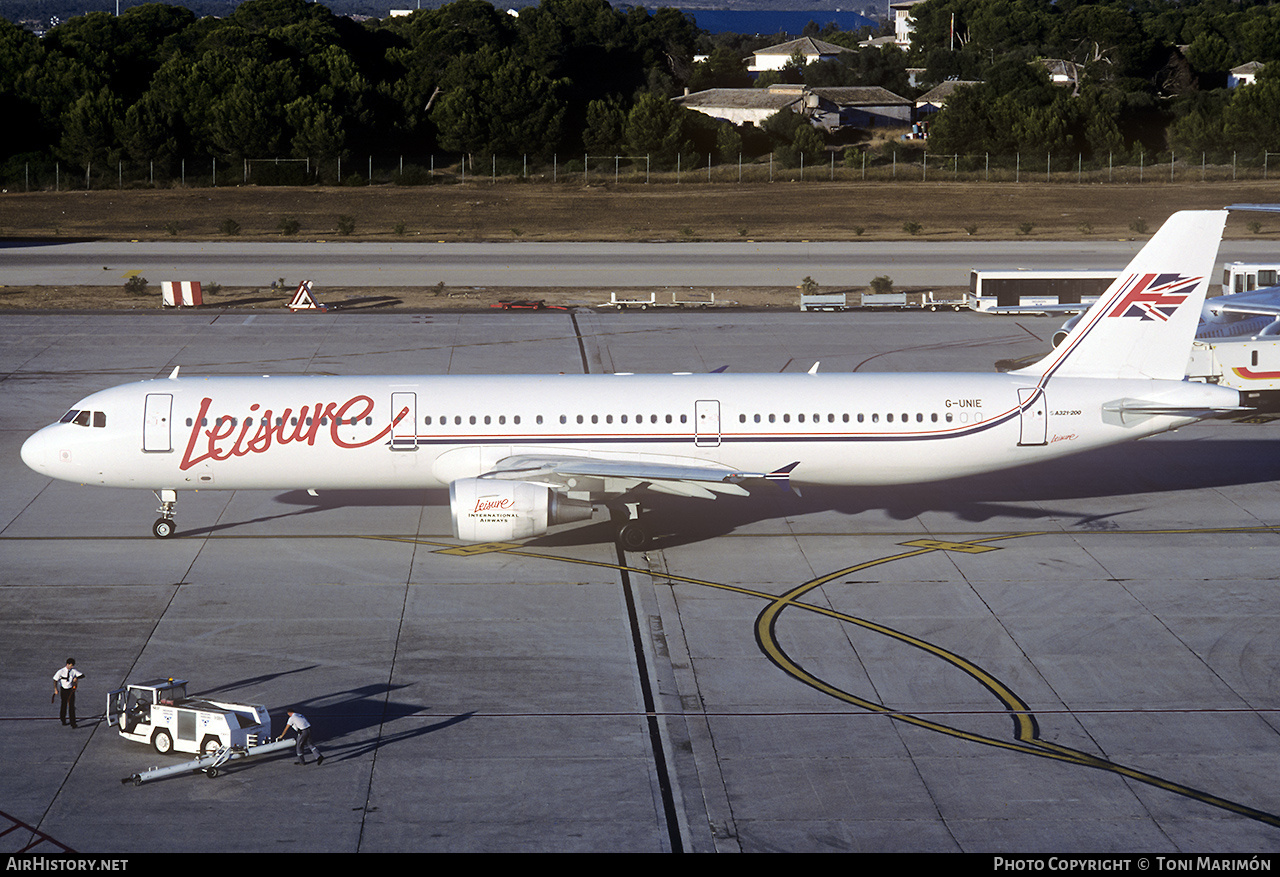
(181,293)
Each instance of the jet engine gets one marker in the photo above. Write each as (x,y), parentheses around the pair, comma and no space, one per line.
(1065,329)
(487,510)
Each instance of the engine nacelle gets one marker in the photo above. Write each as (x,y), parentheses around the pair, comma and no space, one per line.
(1065,329)
(486,510)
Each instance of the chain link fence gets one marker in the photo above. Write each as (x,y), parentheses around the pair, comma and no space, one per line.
(894,165)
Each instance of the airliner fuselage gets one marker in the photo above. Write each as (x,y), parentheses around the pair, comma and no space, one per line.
(405,431)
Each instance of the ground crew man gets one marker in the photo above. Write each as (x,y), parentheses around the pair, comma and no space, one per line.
(302,728)
(64,684)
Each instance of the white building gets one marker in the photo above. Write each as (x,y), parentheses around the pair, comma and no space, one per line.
(902,23)
(830,108)
(1245,74)
(776,57)
(745,106)
(857,106)
(1063,72)
(936,98)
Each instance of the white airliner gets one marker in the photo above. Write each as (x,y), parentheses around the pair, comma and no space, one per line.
(1254,314)
(520,454)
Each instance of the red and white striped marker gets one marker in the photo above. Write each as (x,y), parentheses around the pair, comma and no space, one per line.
(181,293)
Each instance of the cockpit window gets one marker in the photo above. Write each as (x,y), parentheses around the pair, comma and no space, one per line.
(84,418)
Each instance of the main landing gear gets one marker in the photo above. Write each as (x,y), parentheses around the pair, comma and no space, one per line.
(164,527)
(633,535)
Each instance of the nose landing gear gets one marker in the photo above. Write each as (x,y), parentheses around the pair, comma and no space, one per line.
(164,527)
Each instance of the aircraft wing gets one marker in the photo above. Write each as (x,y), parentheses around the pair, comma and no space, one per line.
(1260,302)
(1045,309)
(605,476)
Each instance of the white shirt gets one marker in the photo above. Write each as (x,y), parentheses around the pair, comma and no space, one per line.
(298,722)
(67,677)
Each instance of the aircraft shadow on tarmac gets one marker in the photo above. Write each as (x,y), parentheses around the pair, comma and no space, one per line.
(1136,469)
(304,503)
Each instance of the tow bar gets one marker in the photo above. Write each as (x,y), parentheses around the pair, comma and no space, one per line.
(211,765)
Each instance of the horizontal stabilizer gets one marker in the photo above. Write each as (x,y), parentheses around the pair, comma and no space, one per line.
(1260,302)
(1260,208)
(1130,409)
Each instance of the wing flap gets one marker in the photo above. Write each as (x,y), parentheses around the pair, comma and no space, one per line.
(615,475)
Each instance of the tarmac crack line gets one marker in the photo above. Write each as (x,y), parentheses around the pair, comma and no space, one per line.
(382,722)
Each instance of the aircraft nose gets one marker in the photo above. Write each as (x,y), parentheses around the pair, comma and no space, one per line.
(36,452)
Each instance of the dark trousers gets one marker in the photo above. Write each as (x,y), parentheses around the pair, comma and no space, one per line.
(68,708)
(304,744)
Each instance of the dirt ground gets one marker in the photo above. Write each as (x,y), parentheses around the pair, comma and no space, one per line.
(432,298)
(484,211)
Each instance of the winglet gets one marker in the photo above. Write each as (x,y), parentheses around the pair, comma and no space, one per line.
(782,477)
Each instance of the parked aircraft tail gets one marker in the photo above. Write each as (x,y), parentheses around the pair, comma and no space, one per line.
(1143,326)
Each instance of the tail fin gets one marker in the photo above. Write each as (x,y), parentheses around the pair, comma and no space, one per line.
(1143,326)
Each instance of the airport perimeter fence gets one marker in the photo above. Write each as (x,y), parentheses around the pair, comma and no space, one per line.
(849,166)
